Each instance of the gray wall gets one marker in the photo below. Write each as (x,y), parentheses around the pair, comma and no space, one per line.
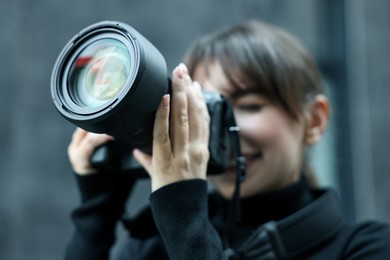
(368,60)
(37,192)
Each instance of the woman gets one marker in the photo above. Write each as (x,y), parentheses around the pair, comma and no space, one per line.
(275,89)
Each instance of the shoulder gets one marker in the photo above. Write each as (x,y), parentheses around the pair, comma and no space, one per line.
(371,232)
(368,239)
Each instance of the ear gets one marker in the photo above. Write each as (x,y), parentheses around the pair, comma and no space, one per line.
(317,116)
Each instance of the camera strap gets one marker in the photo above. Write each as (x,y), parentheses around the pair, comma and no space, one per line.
(233,129)
(234,213)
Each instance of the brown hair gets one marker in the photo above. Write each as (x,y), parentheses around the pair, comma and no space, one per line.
(266,59)
(263,57)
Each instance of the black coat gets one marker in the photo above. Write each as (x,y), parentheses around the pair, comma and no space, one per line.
(185,221)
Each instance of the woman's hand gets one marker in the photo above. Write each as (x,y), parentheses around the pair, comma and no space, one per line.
(180,134)
(81,148)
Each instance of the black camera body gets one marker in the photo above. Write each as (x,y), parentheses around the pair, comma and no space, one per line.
(117,156)
(110,79)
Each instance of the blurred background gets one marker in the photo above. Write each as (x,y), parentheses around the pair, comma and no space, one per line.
(349,38)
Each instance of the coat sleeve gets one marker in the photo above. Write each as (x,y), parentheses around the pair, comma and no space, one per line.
(103,197)
(370,240)
(180,211)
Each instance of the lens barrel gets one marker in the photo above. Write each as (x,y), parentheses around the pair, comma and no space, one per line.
(110,79)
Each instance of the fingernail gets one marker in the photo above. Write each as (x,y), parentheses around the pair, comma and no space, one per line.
(165,100)
(178,72)
(183,68)
(181,71)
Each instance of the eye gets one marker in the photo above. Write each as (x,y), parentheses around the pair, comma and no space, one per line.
(250,103)
(250,108)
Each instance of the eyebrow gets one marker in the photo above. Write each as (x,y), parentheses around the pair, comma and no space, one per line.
(244,91)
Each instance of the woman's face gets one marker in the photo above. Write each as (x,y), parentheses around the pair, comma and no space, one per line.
(271,141)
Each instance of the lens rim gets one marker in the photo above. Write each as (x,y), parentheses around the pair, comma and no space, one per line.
(63,96)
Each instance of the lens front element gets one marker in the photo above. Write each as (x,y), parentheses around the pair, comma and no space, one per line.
(99,72)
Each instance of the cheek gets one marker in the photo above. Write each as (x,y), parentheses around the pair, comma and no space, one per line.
(258,128)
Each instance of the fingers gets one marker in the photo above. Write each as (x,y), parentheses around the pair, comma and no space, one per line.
(78,135)
(144,159)
(190,119)
(180,134)
(81,148)
(161,141)
(92,140)
(199,118)
(179,117)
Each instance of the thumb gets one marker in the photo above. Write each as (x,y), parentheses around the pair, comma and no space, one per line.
(144,159)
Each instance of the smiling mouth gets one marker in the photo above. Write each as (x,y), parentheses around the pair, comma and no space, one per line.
(249,159)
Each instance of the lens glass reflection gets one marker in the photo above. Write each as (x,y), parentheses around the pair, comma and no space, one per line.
(99,72)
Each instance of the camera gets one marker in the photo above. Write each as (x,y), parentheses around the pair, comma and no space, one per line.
(110,79)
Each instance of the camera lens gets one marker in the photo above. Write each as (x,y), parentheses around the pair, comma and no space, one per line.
(99,72)
(110,79)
